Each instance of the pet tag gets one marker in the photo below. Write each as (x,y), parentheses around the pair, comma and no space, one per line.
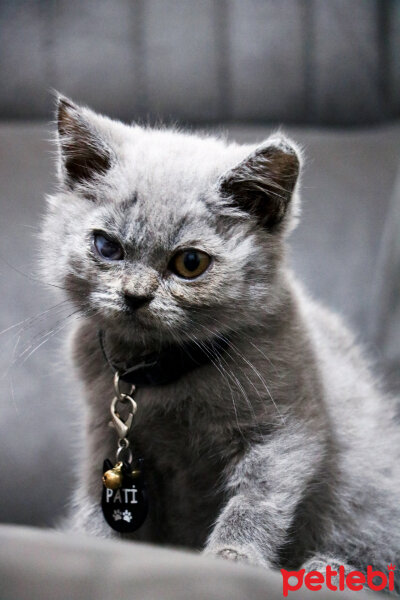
(124,500)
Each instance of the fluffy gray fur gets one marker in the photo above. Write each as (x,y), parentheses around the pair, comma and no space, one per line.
(283,452)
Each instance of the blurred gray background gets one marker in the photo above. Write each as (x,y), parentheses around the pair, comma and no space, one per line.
(327,70)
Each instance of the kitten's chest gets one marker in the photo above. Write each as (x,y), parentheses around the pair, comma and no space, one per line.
(185,472)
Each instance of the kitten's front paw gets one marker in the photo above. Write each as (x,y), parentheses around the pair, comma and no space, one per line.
(243,554)
(320,564)
(231,554)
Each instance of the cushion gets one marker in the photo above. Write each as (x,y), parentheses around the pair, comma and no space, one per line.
(44,565)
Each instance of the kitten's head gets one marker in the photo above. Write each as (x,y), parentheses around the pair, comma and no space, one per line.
(163,235)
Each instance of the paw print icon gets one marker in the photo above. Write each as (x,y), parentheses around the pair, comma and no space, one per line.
(127,516)
(117,515)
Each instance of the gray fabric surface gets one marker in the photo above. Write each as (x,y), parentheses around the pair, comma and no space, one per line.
(43,565)
(385,301)
(325,61)
(347,187)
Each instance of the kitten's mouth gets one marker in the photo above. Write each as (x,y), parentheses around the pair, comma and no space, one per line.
(142,317)
(141,326)
(150,317)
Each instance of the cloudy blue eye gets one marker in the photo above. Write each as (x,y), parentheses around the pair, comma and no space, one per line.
(107,249)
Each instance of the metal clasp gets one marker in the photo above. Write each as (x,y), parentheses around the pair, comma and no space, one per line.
(122,427)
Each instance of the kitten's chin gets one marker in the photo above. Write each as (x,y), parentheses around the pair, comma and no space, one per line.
(133,328)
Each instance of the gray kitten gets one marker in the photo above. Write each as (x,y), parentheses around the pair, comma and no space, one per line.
(280,451)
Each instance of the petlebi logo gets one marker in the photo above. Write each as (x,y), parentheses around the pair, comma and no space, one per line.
(352,580)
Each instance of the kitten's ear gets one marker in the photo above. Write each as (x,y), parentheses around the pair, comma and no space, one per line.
(84,153)
(263,184)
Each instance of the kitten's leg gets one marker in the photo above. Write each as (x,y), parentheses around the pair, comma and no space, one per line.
(85,516)
(268,485)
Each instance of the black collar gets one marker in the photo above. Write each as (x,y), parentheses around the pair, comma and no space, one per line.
(168,365)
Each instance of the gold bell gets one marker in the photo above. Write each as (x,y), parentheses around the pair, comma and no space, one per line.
(112,479)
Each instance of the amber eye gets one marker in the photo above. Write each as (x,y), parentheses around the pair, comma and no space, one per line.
(190,263)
